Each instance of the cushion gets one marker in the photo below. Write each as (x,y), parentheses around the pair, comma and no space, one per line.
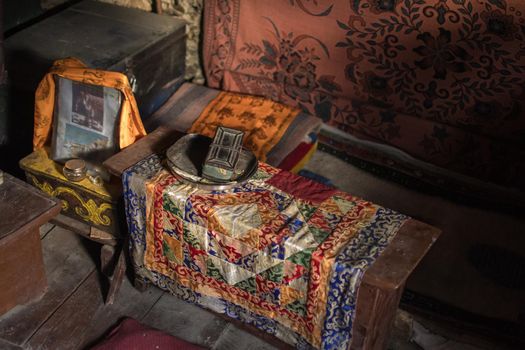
(130,334)
(195,108)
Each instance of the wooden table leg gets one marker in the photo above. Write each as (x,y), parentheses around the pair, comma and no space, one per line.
(115,275)
(375,333)
(140,284)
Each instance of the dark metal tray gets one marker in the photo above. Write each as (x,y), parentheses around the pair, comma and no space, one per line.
(185,159)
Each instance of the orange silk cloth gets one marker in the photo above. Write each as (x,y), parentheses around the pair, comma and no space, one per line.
(130,124)
(263,121)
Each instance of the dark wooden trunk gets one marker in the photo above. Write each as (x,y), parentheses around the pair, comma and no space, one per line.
(148,48)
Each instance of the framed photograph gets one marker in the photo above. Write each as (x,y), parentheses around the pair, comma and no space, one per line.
(85,121)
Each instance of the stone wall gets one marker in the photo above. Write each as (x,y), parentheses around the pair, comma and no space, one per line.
(145,5)
(191,12)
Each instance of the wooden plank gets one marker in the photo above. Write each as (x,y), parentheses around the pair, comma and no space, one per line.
(5,345)
(45,229)
(66,327)
(234,338)
(130,303)
(80,228)
(67,264)
(255,332)
(401,257)
(83,318)
(154,143)
(365,304)
(184,320)
(383,283)
(116,279)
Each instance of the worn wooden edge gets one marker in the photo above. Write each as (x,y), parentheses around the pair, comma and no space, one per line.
(38,221)
(411,243)
(35,223)
(379,329)
(153,143)
(45,215)
(80,228)
(48,215)
(28,187)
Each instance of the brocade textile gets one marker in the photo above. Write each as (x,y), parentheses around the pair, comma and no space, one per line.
(280,252)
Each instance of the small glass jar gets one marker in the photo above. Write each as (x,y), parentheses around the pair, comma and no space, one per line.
(75,170)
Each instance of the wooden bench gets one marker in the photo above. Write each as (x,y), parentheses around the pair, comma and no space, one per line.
(382,284)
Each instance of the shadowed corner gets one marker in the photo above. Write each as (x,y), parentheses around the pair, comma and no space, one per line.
(500,265)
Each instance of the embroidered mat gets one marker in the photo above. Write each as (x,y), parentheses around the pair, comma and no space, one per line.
(263,121)
(280,252)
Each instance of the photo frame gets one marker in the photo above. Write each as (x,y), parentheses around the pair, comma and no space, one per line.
(85,121)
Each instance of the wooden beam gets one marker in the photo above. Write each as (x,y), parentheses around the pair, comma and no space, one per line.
(154,143)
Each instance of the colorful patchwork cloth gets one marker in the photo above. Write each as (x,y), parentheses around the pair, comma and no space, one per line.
(280,252)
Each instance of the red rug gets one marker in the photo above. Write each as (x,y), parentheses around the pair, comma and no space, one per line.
(131,335)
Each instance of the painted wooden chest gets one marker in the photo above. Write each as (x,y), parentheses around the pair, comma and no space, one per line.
(147,47)
(95,205)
